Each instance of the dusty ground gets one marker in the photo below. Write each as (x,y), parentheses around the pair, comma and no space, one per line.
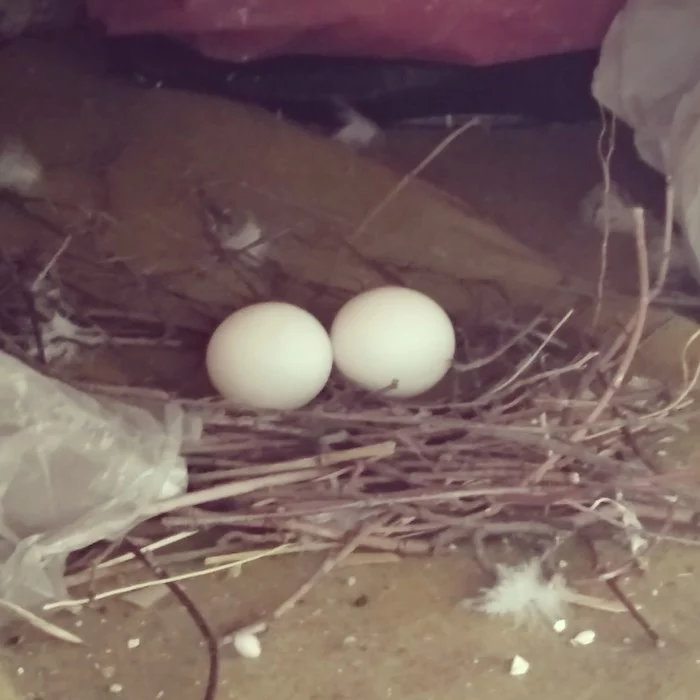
(392,631)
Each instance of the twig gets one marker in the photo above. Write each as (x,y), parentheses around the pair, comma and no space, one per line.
(638,323)
(605,154)
(633,610)
(613,584)
(217,493)
(152,547)
(40,624)
(381,450)
(115,592)
(49,265)
(667,242)
(328,565)
(531,359)
(585,601)
(197,617)
(406,179)
(499,352)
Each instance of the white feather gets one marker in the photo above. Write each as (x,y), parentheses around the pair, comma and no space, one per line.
(358,131)
(248,239)
(611,211)
(62,339)
(521,592)
(19,169)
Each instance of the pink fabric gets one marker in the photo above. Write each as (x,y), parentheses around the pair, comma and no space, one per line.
(476,32)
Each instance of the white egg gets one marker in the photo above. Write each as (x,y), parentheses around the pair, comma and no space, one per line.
(393,335)
(270,355)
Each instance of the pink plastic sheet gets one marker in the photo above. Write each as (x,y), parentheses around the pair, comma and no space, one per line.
(475,32)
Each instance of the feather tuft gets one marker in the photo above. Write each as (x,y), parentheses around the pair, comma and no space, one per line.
(523,593)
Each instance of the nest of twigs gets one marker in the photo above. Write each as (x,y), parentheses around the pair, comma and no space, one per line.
(543,434)
(541,430)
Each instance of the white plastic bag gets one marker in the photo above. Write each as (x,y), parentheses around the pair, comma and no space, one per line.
(649,76)
(74,470)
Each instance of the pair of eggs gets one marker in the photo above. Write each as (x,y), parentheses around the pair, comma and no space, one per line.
(277,356)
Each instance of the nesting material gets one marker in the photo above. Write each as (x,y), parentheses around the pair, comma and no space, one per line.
(20,171)
(537,426)
(522,593)
(611,211)
(247,240)
(357,131)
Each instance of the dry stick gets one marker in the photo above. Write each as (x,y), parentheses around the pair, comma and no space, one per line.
(637,331)
(380,450)
(406,179)
(215,560)
(197,617)
(39,623)
(605,157)
(77,602)
(522,367)
(152,547)
(499,352)
(614,586)
(328,565)
(643,274)
(667,241)
(216,493)
(583,600)
(632,609)
(54,259)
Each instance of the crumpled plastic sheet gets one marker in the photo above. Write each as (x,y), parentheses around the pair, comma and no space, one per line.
(649,76)
(471,32)
(75,470)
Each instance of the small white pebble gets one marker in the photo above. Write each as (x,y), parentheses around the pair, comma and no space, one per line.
(562,564)
(559,626)
(133,643)
(655,592)
(78,623)
(351,581)
(116,688)
(350,639)
(584,638)
(519,666)
(575,478)
(20,671)
(247,645)
(661,453)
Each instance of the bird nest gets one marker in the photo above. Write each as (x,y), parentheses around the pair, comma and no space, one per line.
(542,431)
